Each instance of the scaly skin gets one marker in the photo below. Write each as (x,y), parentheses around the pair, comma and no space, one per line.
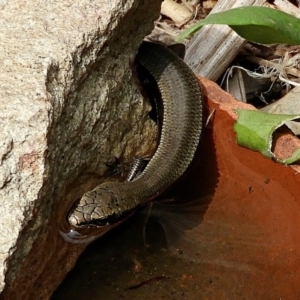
(181,129)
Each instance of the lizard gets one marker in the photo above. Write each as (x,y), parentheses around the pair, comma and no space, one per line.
(182,102)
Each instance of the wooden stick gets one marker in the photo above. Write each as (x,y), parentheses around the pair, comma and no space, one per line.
(214,47)
(178,13)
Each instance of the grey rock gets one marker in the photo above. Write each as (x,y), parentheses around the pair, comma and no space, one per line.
(289,104)
(68,106)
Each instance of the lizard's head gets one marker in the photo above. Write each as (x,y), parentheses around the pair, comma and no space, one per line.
(97,212)
(98,208)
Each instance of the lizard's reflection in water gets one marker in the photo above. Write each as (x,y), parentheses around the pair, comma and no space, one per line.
(177,219)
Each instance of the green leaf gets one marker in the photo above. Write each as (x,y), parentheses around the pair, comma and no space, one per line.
(254,130)
(257,24)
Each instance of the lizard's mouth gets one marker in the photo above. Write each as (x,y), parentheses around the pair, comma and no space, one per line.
(94,229)
(107,221)
(88,232)
(83,235)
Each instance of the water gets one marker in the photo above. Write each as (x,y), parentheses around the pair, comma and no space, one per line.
(129,263)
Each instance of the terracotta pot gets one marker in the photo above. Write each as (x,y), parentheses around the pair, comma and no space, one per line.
(248,239)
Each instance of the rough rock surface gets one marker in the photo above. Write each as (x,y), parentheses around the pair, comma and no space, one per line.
(68,106)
